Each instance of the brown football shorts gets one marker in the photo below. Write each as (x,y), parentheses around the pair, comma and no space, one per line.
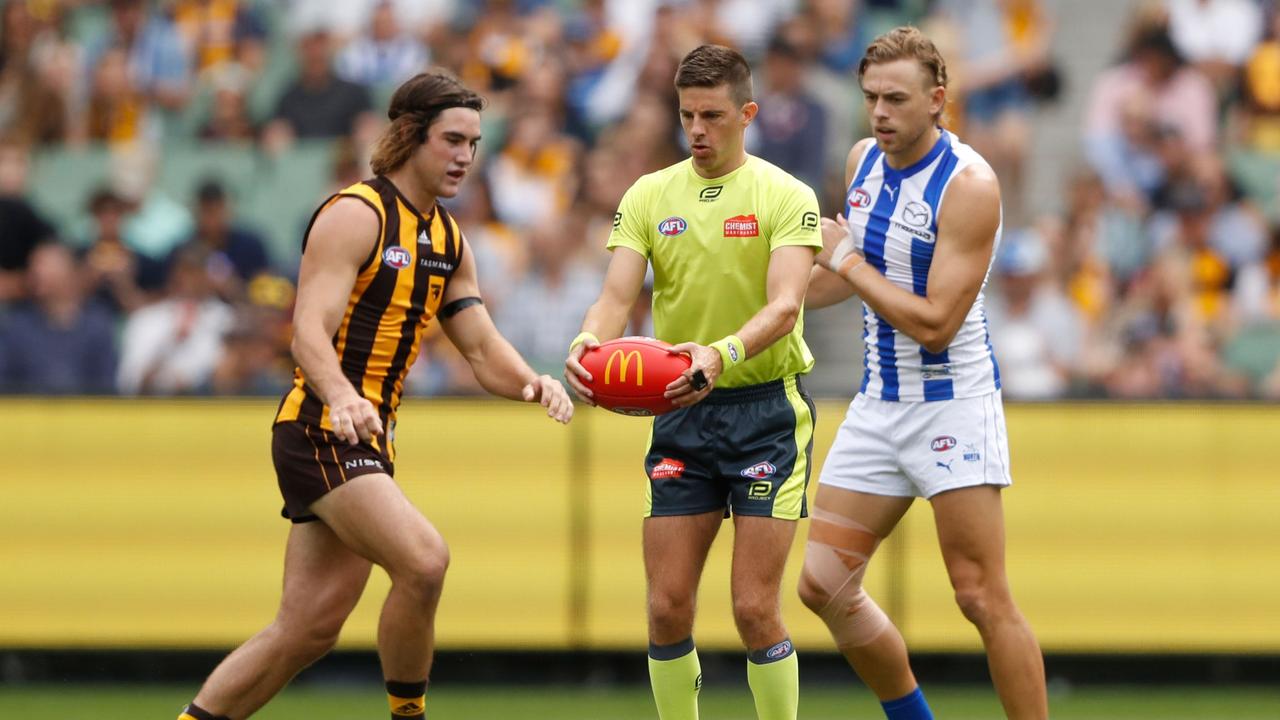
(310,462)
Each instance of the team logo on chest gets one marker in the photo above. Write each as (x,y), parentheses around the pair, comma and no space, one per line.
(742,226)
(672,226)
(859,198)
(396,257)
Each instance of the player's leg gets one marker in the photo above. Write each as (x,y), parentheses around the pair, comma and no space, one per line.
(675,551)
(323,580)
(846,528)
(373,517)
(970,525)
(862,495)
(760,549)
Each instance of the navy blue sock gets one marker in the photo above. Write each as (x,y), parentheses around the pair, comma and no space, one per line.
(911,706)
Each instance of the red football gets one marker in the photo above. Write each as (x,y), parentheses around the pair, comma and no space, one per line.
(630,374)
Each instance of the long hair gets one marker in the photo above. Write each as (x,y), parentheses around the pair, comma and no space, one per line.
(414,106)
(907,42)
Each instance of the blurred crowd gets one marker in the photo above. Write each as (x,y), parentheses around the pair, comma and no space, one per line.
(1159,277)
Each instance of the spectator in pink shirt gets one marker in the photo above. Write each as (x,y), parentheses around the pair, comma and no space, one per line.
(1152,93)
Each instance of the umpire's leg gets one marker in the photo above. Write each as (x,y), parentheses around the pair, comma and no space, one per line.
(675,550)
(760,550)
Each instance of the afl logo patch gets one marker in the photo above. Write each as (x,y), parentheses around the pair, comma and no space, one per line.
(942,443)
(672,226)
(759,471)
(859,198)
(397,257)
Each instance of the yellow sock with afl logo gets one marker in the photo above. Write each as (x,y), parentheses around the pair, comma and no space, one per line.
(676,677)
(408,700)
(774,676)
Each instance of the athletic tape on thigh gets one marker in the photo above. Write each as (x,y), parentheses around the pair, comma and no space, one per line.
(835,560)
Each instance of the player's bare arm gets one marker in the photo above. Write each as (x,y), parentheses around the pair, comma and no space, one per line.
(607,317)
(825,287)
(788,277)
(340,241)
(497,365)
(967,224)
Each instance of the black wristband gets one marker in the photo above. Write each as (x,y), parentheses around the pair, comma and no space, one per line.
(458,306)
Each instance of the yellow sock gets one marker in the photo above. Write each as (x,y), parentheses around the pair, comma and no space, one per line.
(774,677)
(676,677)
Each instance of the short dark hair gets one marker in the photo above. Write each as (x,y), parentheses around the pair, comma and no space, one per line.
(210,190)
(414,106)
(1156,40)
(715,65)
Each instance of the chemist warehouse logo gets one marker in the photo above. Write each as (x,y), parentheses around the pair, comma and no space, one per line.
(667,468)
(742,226)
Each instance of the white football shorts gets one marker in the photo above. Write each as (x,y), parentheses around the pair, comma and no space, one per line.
(919,449)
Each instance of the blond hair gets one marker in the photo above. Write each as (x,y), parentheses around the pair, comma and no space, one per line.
(907,43)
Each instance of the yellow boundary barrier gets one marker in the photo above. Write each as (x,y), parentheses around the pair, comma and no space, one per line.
(154,524)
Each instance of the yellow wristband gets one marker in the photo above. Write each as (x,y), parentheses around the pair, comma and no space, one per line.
(732,351)
(583,336)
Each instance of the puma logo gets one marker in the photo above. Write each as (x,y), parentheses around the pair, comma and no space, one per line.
(945,466)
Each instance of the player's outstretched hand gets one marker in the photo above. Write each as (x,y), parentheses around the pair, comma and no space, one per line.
(575,374)
(354,419)
(548,392)
(697,382)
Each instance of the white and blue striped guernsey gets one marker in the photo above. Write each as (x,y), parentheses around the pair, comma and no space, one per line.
(894,218)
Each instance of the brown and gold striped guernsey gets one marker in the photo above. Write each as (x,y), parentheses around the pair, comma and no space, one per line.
(396,293)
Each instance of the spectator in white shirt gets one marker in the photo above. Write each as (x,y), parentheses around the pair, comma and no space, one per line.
(384,54)
(172,347)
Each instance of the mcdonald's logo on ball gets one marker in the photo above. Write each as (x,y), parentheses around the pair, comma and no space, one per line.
(630,375)
(624,362)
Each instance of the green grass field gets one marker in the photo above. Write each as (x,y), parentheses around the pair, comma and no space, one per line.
(77,702)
